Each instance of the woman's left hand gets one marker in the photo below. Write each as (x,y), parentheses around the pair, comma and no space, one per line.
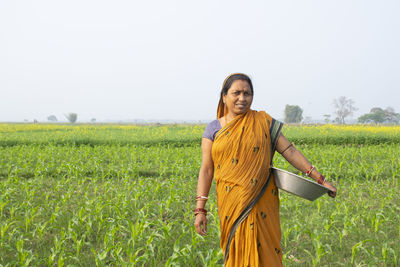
(332,189)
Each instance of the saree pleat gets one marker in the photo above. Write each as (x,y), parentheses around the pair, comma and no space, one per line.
(242,153)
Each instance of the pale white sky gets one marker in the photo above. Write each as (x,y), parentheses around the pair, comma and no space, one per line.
(121,60)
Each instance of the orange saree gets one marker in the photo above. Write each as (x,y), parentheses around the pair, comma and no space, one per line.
(248,203)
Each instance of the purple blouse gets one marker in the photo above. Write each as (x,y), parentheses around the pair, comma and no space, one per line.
(211,129)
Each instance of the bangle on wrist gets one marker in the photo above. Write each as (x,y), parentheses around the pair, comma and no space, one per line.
(321,179)
(310,170)
(201,198)
(200,210)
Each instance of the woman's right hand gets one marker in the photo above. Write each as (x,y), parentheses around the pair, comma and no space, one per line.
(332,189)
(200,223)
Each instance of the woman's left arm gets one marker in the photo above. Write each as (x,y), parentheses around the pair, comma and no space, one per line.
(299,161)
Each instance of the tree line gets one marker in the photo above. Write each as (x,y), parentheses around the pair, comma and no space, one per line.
(71,117)
(343,108)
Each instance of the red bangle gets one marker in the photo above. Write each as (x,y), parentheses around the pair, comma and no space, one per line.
(200,210)
(310,170)
(201,197)
(321,179)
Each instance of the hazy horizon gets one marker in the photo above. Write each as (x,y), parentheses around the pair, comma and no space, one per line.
(166,61)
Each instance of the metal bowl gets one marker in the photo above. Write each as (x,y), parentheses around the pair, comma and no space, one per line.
(298,185)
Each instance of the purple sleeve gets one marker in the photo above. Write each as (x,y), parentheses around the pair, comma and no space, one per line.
(211,129)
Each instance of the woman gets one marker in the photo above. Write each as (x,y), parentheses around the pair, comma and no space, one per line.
(237,150)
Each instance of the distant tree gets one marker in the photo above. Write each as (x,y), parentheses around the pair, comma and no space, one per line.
(344,107)
(376,115)
(293,114)
(52,118)
(71,117)
(93,120)
(391,115)
(327,118)
(376,110)
(379,115)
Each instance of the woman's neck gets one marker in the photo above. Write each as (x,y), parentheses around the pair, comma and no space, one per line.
(227,119)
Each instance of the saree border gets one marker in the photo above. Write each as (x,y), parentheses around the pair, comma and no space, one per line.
(275,130)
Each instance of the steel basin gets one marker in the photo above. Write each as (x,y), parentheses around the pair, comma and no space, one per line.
(298,185)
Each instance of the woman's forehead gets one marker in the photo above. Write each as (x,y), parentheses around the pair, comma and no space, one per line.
(240,85)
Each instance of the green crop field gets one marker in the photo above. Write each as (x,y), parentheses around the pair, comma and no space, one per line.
(123,195)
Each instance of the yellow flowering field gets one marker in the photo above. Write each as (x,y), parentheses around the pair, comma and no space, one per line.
(181,135)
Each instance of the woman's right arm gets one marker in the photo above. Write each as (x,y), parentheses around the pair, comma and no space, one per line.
(204,183)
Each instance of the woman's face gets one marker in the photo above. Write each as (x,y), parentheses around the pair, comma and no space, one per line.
(239,97)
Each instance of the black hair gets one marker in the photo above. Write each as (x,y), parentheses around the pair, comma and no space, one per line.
(234,77)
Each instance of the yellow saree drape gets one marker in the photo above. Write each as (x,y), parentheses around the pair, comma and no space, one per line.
(242,155)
